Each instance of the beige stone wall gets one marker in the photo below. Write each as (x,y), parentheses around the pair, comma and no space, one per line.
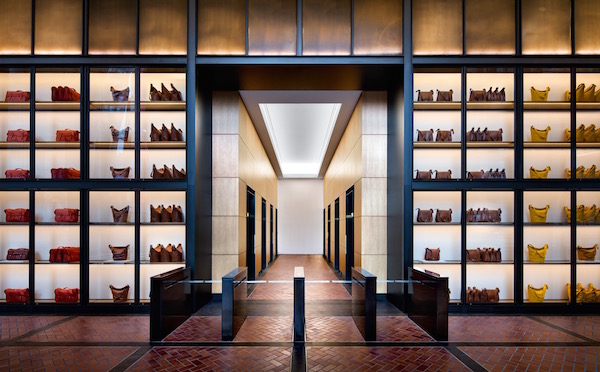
(239,160)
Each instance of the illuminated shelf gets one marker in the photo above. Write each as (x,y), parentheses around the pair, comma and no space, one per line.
(588,106)
(490,145)
(436,145)
(15,106)
(112,224)
(108,301)
(45,262)
(14,262)
(57,106)
(490,303)
(44,301)
(440,262)
(436,105)
(111,262)
(112,145)
(162,223)
(163,145)
(491,105)
(112,106)
(57,145)
(546,105)
(581,262)
(546,145)
(565,301)
(436,223)
(549,262)
(162,263)
(549,224)
(588,145)
(503,262)
(14,223)
(14,145)
(162,106)
(57,223)
(490,224)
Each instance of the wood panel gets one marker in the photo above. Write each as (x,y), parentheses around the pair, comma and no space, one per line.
(587,22)
(377,27)
(374,196)
(15,18)
(226,197)
(221,27)
(221,265)
(437,27)
(163,27)
(326,27)
(272,27)
(546,26)
(58,27)
(490,27)
(225,155)
(225,232)
(118,16)
(374,235)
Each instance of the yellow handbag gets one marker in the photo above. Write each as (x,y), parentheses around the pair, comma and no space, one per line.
(538,174)
(536,294)
(589,92)
(589,294)
(538,215)
(537,255)
(578,292)
(597,215)
(597,96)
(587,254)
(597,135)
(579,172)
(539,135)
(589,133)
(590,172)
(578,93)
(579,134)
(597,174)
(539,95)
(589,214)
(579,216)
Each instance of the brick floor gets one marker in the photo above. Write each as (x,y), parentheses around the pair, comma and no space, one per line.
(399,328)
(120,328)
(536,358)
(13,326)
(198,328)
(382,359)
(62,358)
(215,359)
(503,328)
(332,329)
(585,325)
(265,329)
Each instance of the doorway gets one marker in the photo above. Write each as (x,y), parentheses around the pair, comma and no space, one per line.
(250,233)
(349,245)
(271,233)
(336,232)
(263,235)
(324,234)
(329,233)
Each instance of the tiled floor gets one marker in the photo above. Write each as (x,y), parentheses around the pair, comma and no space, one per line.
(334,343)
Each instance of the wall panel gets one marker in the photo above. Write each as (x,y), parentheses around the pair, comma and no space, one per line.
(221,27)
(546,26)
(112,27)
(58,27)
(490,27)
(163,27)
(587,22)
(272,27)
(326,27)
(377,27)
(15,18)
(437,27)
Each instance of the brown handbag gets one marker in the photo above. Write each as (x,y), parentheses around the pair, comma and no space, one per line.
(493,215)
(444,95)
(119,253)
(165,94)
(120,215)
(424,215)
(17,215)
(490,295)
(586,254)
(155,213)
(472,215)
(473,295)
(166,214)
(155,253)
(425,135)
(443,175)
(177,215)
(443,215)
(423,175)
(17,296)
(119,294)
(425,96)
(17,96)
(65,173)
(66,215)
(18,135)
(67,135)
(175,94)
(474,255)
(66,294)
(155,134)
(119,135)
(17,254)
(495,174)
(166,253)
(444,135)
(176,134)
(432,254)
(17,174)
(120,173)
(486,255)
(474,136)
(120,95)
(177,254)
(154,94)
(165,133)
(492,135)
(65,94)
(477,95)
(163,173)
(475,175)
(178,174)
(70,254)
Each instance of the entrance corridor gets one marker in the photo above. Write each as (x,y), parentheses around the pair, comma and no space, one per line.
(476,342)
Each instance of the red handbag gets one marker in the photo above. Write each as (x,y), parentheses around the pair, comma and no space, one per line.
(17,96)
(62,173)
(67,135)
(17,296)
(18,173)
(17,254)
(66,294)
(66,215)
(65,94)
(19,135)
(64,254)
(17,215)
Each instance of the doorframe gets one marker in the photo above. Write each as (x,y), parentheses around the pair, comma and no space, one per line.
(250,232)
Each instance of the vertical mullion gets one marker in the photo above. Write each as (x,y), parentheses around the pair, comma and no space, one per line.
(518,247)
(84,262)
(32,75)
(518,268)
(518,123)
(463,246)
(518,32)
(85,28)
(463,122)
(573,224)
(299,36)
(84,115)
(137,124)
(407,181)
(31,247)
(137,258)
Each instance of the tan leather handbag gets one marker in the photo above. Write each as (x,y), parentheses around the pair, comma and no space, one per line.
(477,95)
(444,135)
(537,255)
(424,96)
(443,175)
(444,95)
(424,215)
(432,254)
(538,215)
(423,175)
(586,254)
(120,215)
(539,135)
(539,174)
(425,135)
(119,294)
(539,95)
(443,215)
(119,253)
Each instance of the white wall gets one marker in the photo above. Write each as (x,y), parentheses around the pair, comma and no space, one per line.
(300,216)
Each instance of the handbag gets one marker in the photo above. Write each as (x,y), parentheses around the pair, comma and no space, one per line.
(539,135)
(444,135)
(536,294)
(17,296)
(177,215)
(579,171)
(166,253)
(70,254)
(120,215)
(492,215)
(442,215)
(17,96)
(477,95)
(537,255)
(177,254)
(19,135)
(590,294)
(473,295)
(424,215)
(425,135)
(119,135)
(120,95)
(165,214)
(443,175)
(155,134)
(496,95)
(120,173)
(579,134)
(476,175)
(176,134)
(17,215)
(66,294)
(589,133)
(490,295)
(444,95)
(155,253)
(65,173)
(17,254)
(579,213)
(539,95)
(597,135)
(65,94)
(539,174)
(66,215)
(578,292)
(586,254)
(119,253)
(67,135)
(538,215)
(474,255)
(425,96)
(178,174)
(423,175)
(492,135)
(472,215)
(578,93)
(165,133)
(17,174)
(119,294)
(497,174)
(155,213)
(161,174)
(589,93)
(589,214)
(432,254)
(473,135)
(590,172)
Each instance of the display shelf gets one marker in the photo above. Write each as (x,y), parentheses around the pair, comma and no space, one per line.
(147,262)
(588,105)
(440,262)
(436,223)
(47,301)
(112,224)
(436,145)
(112,145)
(493,106)
(588,145)
(548,224)
(587,223)
(57,145)
(505,301)
(46,262)
(107,301)
(162,106)
(14,223)
(490,223)
(57,223)
(565,301)
(112,262)
(546,145)
(15,106)
(14,145)
(112,106)
(171,145)
(436,105)
(57,106)
(13,262)
(580,262)
(546,106)
(490,145)
(503,262)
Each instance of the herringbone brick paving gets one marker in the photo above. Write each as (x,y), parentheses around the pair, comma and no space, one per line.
(265,329)
(536,358)
(399,328)
(198,328)
(382,359)
(13,326)
(215,359)
(332,329)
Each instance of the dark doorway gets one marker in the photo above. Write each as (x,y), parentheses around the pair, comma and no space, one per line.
(329,233)
(349,232)
(336,237)
(276,235)
(263,235)
(324,234)
(250,233)
(271,234)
